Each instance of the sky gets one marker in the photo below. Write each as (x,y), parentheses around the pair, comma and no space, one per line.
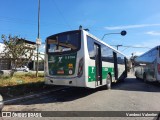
(140,18)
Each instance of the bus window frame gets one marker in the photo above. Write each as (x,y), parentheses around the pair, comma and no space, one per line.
(64,52)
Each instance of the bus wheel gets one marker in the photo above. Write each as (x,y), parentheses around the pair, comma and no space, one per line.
(136,75)
(144,77)
(108,84)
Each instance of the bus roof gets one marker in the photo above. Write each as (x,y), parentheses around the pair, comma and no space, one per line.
(51,36)
(97,39)
(149,50)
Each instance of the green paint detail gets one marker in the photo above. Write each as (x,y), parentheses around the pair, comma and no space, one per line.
(105,71)
(62,65)
(91,74)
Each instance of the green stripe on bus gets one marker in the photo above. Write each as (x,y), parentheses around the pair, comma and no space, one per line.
(105,71)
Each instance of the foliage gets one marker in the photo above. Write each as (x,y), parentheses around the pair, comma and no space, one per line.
(17,50)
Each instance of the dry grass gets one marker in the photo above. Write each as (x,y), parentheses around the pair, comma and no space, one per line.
(22,84)
(21,78)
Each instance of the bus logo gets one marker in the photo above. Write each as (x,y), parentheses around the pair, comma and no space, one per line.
(60,60)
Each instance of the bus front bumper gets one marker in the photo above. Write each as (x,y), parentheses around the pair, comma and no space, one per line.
(61,81)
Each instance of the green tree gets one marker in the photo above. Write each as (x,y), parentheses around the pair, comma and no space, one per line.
(17,50)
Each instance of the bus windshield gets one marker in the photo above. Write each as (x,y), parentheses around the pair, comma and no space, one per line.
(64,42)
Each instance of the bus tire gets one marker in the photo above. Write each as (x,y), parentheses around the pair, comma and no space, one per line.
(136,75)
(108,82)
(137,78)
(144,77)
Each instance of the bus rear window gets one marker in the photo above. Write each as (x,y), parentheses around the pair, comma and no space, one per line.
(64,42)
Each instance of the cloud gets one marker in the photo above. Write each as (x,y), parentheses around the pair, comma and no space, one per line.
(147,44)
(138,53)
(151,43)
(131,26)
(154,33)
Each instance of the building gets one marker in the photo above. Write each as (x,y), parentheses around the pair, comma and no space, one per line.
(6,64)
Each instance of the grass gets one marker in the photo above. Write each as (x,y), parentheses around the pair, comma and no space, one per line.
(21,78)
(21,84)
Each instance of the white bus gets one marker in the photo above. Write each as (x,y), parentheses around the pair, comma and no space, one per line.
(77,58)
(147,66)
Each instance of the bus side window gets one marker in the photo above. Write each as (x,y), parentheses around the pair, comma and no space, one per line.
(120,59)
(107,54)
(90,45)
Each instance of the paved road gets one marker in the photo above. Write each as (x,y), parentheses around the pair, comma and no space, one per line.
(131,95)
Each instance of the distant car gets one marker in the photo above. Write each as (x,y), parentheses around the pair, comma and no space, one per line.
(22,68)
(1,102)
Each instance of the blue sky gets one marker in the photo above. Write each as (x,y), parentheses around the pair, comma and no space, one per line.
(140,18)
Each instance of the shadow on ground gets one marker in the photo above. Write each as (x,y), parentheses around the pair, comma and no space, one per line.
(133,84)
(10,92)
(74,93)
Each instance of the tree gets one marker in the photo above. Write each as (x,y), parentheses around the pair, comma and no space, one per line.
(17,50)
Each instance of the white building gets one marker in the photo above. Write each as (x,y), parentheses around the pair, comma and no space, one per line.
(1,47)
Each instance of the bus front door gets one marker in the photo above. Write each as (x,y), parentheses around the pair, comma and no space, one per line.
(125,61)
(115,66)
(98,64)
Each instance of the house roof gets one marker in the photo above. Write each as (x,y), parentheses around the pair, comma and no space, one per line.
(27,41)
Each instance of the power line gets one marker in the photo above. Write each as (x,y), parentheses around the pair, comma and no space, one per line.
(133,46)
(30,22)
(62,15)
(19,21)
(124,49)
(43,23)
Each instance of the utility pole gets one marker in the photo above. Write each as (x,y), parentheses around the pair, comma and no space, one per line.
(118,46)
(38,41)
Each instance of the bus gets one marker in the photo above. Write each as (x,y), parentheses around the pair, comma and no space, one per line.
(78,58)
(147,66)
